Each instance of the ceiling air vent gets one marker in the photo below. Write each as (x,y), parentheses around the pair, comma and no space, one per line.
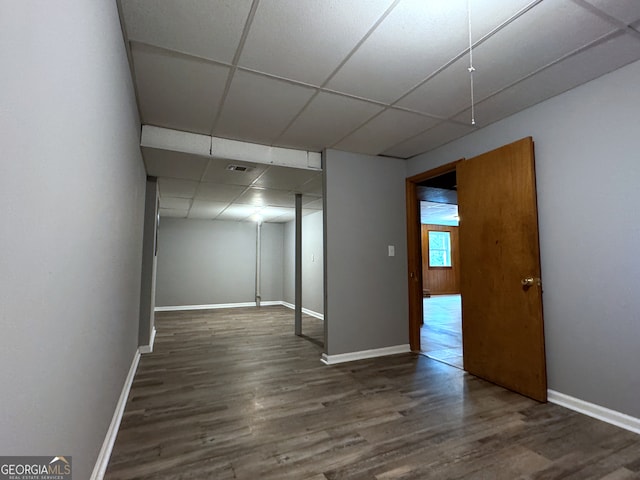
(239,168)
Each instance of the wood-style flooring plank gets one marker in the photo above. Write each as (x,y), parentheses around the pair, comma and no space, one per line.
(234,394)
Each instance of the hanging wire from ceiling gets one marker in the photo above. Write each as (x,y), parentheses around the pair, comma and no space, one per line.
(471,69)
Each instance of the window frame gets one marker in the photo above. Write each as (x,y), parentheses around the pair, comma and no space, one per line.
(448,253)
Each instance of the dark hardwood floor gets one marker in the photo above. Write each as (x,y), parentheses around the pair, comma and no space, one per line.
(234,394)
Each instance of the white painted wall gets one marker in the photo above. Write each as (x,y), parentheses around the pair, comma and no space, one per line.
(312,262)
(588,171)
(72,187)
(367,296)
(205,262)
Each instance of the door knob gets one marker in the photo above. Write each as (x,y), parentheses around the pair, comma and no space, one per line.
(531,281)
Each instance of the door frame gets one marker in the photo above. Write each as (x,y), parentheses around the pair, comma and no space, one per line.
(414,249)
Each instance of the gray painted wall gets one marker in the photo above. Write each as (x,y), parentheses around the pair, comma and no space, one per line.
(149,264)
(312,263)
(367,297)
(72,186)
(204,262)
(588,168)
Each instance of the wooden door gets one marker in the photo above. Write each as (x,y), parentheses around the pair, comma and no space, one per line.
(502,325)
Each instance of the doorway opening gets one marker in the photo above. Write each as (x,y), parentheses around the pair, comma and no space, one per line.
(503,326)
(441,328)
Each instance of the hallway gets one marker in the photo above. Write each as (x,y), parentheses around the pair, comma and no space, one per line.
(233,394)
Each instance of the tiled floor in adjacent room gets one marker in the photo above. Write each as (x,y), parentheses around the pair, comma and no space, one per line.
(441,334)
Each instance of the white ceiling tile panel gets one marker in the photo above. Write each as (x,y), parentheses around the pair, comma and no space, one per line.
(627,11)
(416,39)
(313,203)
(206,210)
(559,27)
(313,186)
(175,203)
(177,92)
(509,56)
(571,72)
(432,213)
(173,213)
(385,131)
(259,108)
(445,94)
(216,192)
(165,163)
(217,172)
(269,214)
(438,135)
(210,29)
(238,213)
(173,187)
(261,197)
(286,218)
(286,178)
(326,119)
(311,38)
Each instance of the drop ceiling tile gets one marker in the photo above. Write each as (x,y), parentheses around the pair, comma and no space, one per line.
(445,94)
(571,72)
(311,38)
(217,172)
(438,135)
(313,204)
(312,187)
(238,212)
(627,11)
(385,131)
(198,27)
(415,40)
(173,187)
(510,55)
(177,92)
(165,163)
(174,203)
(260,197)
(258,108)
(206,210)
(432,213)
(327,119)
(172,213)
(268,214)
(286,178)
(216,192)
(289,217)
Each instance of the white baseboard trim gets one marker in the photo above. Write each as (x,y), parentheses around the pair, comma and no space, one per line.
(207,307)
(149,348)
(306,311)
(268,303)
(107,446)
(613,417)
(352,356)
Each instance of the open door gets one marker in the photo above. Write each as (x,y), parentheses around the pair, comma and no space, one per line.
(502,324)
